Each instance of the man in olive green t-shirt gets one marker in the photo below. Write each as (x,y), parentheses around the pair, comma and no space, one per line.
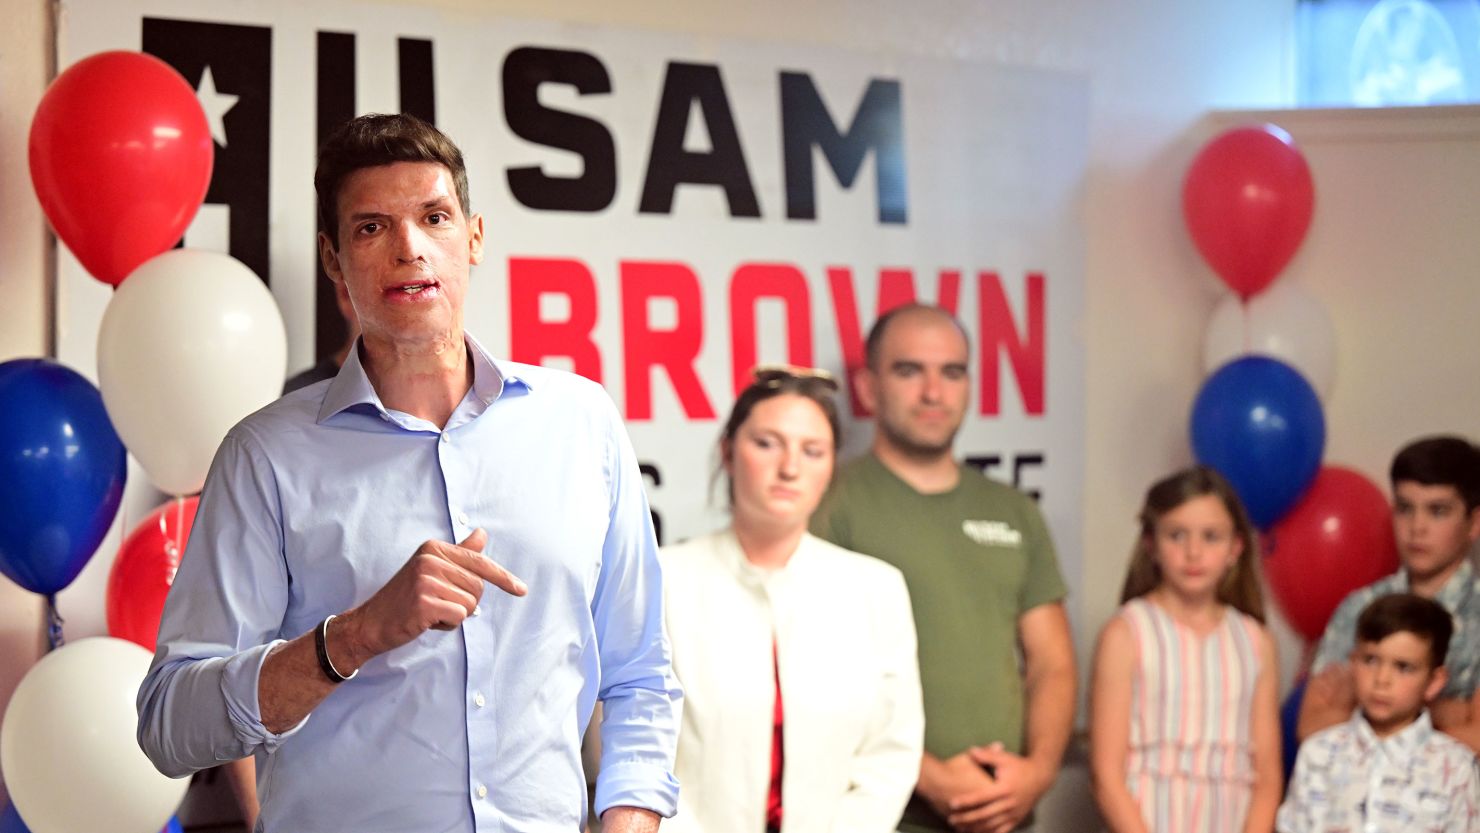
(983,579)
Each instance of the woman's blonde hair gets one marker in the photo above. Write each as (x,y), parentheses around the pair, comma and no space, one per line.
(1239,587)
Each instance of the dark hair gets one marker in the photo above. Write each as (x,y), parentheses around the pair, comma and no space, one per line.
(377,139)
(875,341)
(1239,587)
(770,381)
(1408,613)
(1441,461)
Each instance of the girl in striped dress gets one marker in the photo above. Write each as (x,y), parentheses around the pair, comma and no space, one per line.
(1184,724)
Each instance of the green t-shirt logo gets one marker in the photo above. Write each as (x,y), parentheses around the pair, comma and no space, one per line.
(992,533)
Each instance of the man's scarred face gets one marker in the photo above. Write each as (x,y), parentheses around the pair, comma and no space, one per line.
(405,252)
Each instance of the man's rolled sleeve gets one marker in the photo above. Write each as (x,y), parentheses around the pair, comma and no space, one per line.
(223,721)
(636,784)
(640,694)
(198,704)
(240,683)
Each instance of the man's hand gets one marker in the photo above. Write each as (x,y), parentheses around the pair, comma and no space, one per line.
(950,779)
(437,588)
(1016,785)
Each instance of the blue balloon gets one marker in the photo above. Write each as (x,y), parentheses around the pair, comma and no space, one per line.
(173,826)
(62,469)
(10,821)
(1259,423)
(1289,717)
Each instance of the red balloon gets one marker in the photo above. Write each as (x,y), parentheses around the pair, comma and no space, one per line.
(145,569)
(121,157)
(1247,201)
(1339,537)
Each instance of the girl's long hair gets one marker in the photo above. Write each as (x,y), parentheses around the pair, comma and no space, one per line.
(1239,587)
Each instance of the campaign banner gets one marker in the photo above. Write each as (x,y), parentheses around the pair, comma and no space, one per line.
(664,211)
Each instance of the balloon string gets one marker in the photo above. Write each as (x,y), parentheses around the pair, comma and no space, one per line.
(1248,340)
(54,638)
(179,528)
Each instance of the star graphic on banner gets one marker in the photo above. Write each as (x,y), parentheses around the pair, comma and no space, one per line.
(216,105)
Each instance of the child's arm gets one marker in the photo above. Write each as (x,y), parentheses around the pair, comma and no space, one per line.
(1460,719)
(1265,730)
(1330,699)
(1110,728)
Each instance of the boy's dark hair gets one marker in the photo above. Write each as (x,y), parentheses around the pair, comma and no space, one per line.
(1408,613)
(1441,461)
(376,139)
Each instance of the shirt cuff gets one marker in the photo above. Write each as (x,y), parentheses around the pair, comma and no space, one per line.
(240,680)
(637,784)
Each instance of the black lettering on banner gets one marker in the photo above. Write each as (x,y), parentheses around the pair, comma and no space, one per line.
(984,463)
(671,164)
(240,62)
(650,471)
(525,70)
(1022,460)
(336,105)
(418,82)
(877,125)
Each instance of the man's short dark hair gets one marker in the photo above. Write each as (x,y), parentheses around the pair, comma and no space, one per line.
(377,139)
(875,341)
(1408,613)
(1441,461)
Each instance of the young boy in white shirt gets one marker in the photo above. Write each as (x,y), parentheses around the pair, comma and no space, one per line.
(1387,769)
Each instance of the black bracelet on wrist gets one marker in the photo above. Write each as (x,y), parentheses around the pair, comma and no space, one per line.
(320,641)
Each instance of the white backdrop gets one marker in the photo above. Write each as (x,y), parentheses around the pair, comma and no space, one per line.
(993,164)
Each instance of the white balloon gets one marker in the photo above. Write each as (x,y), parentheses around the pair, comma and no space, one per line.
(191,342)
(67,744)
(1284,322)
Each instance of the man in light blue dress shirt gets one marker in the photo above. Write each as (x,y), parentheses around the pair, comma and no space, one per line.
(333,616)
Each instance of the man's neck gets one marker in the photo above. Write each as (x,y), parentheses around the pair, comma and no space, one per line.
(1429,586)
(426,380)
(928,475)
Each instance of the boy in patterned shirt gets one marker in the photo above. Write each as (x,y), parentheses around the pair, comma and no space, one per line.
(1386,769)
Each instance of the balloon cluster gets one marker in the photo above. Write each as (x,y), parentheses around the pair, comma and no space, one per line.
(121,156)
(1270,352)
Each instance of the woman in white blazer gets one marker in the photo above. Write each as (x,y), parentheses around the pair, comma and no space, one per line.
(802,708)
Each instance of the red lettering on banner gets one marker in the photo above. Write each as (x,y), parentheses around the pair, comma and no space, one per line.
(672,349)
(896,288)
(998,330)
(533,339)
(749,284)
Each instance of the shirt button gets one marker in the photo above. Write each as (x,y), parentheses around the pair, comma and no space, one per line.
(462,518)
(478,699)
(477,609)
(446,438)
(482,791)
